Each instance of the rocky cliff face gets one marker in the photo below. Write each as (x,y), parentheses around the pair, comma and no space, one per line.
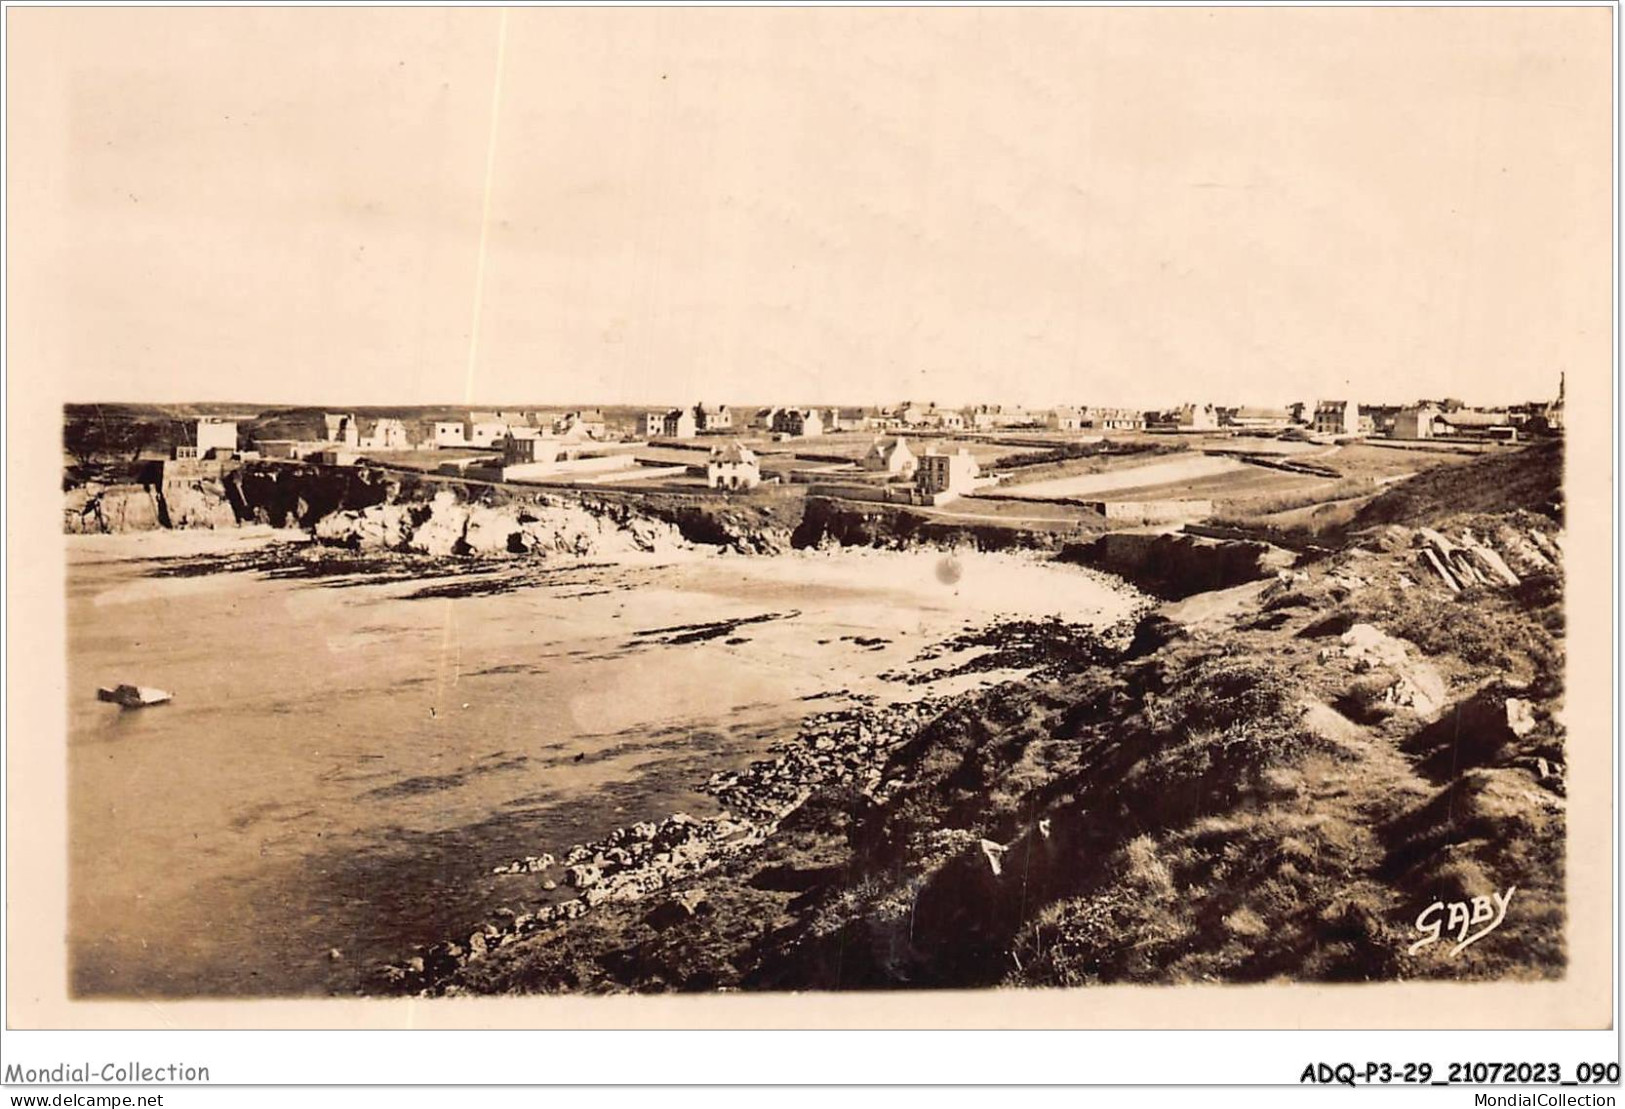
(165,497)
(98,509)
(285,495)
(749,525)
(201,502)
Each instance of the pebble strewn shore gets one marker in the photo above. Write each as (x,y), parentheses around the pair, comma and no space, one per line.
(632,862)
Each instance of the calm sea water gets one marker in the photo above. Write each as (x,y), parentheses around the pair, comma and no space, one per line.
(342,767)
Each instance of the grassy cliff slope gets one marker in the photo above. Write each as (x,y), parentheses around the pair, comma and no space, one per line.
(1288,779)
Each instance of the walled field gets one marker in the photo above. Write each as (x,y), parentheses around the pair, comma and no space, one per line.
(1151,475)
(427,461)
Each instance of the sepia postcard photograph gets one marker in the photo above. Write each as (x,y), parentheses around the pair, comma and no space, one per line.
(958,508)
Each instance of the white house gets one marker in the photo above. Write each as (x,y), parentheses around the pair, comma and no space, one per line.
(907,414)
(486,428)
(1337,417)
(1064,418)
(388,434)
(849,419)
(801,422)
(945,418)
(211,436)
(733,466)
(951,474)
(1415,422)
(713,417)
(450,433)
(587,421)
(342,428)
(1196,417)
(1112,419)
(679,424)
(891,455)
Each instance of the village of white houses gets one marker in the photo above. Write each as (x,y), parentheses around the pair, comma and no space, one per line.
(911,546)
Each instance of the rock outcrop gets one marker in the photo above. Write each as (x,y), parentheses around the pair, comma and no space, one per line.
(201,502)
(1175,566)
(847,748)
(373,510)
(99,509)
(540,525)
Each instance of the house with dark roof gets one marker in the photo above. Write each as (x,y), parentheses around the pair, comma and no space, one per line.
(850,419)
(1415,421)
(733,466)
(1336,417)
(1098,418)
(713,417)
(890,454)
(588,422)
(386,433)
(798,422)
(942,476)
(679,424)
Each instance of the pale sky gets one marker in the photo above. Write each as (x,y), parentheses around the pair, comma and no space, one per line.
(1112,206)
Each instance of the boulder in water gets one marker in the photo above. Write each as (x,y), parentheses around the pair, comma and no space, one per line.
(132,696)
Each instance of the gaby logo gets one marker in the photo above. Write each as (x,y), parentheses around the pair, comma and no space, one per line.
(1467,921)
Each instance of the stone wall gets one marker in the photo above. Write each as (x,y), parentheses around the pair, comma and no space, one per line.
(1152,512)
